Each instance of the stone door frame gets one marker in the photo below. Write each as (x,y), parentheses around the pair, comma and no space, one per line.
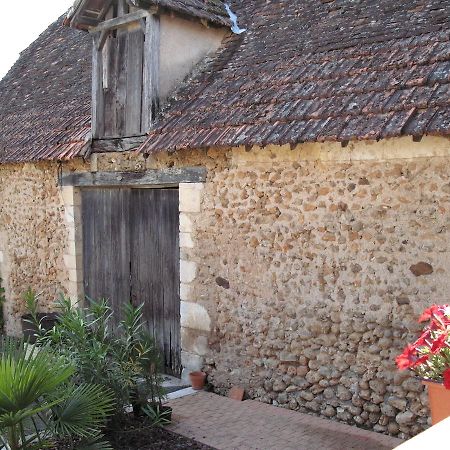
(194,320)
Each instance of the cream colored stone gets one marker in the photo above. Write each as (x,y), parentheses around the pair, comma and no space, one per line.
(73,262)
(188,271)
(74,290)
(67,195)
(185,223)
(195,316)
(185,291)
(75,275)
(186,240)
(191,361)
(193,343)
(1,257)
(73,248)
(384,150)
(190,197)
(69,214)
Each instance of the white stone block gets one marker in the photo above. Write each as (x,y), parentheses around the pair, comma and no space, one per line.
(191,362)
(69,214)
(185,223)
(190,197)
(74,290)
(72,262)
(185,291)
(67,195)
(186,240)
(75,275)
(1,257)
(73,249)
(195,316)
(188,271)
(193,344)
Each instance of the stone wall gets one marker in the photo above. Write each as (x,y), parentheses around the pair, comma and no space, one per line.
(303,271)
(33,237)
(313,267)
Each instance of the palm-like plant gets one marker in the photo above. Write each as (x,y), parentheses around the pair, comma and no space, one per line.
(38,405)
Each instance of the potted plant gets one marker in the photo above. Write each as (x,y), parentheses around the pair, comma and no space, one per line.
(429,358)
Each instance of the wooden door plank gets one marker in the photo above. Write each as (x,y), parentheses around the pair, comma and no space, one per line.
(154,267)
(169,239)
(106,249)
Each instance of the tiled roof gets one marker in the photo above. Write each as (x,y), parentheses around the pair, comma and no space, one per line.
(85,13)
(316,70)
(45,99)
(303,71)
(210,10)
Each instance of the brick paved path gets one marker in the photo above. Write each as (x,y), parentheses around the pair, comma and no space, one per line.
(227,424)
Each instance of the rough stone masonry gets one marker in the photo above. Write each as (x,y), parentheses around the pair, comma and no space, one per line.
(303,271)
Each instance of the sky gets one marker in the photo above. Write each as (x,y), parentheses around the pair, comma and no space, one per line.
(18,29)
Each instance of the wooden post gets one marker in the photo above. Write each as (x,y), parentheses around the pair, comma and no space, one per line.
(150,95)
(97,89)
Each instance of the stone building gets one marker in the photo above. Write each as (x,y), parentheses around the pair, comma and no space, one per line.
(278,196)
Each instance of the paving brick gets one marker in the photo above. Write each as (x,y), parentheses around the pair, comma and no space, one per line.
(251,425)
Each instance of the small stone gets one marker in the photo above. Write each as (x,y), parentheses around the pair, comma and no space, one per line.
(343,393)
(403,300)
(301,382)
(222,282)
(404,418)
(329,411)
(279,386)
(397,403)
(363,181)
(306,395)
(421,268)
(377,386)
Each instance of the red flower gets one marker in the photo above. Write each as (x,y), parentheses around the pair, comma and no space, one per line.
(423,339)
(446,375)
(420,360)
(439,343)
(428,313)
(407,358)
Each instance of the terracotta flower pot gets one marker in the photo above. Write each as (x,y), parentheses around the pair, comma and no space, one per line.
(197,380)
(439,401)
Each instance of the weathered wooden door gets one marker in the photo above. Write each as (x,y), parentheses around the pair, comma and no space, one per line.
(131,254)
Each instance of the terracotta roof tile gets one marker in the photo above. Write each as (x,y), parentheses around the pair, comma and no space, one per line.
(45,99)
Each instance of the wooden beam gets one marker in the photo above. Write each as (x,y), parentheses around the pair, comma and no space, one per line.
(102,39)
(160,177)
(98,112)
(119,22)
(117,145)
(150,94)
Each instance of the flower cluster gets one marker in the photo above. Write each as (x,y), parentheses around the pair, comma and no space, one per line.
(429,356)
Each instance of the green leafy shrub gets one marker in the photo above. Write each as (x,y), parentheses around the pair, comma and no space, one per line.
(39,405)
(126,360)
(2,302)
